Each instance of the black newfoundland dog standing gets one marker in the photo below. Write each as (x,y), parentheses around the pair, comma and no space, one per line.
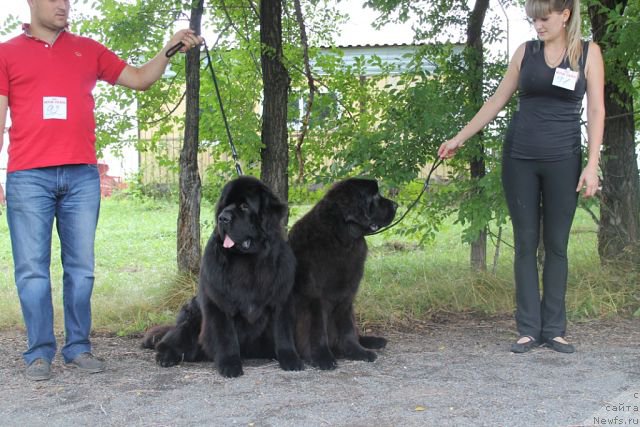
(330,247)
(243,306)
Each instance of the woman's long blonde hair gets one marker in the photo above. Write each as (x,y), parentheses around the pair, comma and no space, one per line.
(540,8)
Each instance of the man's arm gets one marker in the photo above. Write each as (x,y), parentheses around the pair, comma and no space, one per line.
(141,78)
(4,106)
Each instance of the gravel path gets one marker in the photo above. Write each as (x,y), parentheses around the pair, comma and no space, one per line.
(454,373)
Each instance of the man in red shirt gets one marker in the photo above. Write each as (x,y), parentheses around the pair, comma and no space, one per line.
(46,78)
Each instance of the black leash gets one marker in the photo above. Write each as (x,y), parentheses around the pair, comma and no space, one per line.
(437,162)
(172,51)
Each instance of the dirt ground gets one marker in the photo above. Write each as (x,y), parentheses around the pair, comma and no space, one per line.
(456,372)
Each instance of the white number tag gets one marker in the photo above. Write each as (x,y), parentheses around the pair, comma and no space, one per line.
(565,78)
(54,107)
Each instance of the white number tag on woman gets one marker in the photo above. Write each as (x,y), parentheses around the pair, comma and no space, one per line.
(565,78)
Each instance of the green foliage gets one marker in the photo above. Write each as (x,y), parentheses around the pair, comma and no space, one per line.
(139,190)
(10,23)
(301,194)
(620,45)
(215,176)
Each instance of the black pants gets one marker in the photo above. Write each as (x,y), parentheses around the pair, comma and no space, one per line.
(529,184)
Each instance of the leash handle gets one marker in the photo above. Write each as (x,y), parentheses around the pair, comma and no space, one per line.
(173,50)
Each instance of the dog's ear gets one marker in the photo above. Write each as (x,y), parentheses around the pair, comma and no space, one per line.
(361,193)
(222,200)
(271,208)
(369,185)
(345,206)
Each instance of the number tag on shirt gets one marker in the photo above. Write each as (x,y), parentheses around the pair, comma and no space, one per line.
(54,107)
(565,78)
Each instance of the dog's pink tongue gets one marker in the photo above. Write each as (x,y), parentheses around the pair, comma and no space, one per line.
(228,243)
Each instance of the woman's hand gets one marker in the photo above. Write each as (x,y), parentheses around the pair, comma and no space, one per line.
(589,181)
(448,149)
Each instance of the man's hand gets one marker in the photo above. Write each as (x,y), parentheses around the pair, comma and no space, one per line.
(187,37)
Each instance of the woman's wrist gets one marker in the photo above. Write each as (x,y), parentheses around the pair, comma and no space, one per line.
(591,165)
(458,140)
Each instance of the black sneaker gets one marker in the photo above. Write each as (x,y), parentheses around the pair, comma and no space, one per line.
(38,370)
(87,362)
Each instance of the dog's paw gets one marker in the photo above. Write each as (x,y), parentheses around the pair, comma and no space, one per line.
(372,342)
(369,356)
(324,360)
(230,367)
(290,361)
(360,354)
(167,357)
(154,334)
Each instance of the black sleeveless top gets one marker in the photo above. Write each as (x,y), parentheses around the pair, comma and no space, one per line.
(546,124)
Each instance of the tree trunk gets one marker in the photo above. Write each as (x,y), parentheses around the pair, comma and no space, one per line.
(478,256)
(275,148)
(475,57)
(188,239)
(620,197)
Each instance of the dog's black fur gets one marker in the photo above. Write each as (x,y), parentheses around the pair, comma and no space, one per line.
(330,247)
(243,306)
(179,341)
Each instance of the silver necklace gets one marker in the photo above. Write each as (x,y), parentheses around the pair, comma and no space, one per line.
(557,61)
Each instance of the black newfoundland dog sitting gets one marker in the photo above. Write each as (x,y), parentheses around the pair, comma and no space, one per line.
(330,247)
(243,306)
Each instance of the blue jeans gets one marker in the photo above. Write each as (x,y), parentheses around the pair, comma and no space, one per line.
(71,195)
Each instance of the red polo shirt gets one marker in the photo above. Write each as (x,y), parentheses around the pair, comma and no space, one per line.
(49,91)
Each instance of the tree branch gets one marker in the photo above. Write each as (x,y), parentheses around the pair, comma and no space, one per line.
(312,90)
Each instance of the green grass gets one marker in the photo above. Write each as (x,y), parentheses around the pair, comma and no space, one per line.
(405,283)
(137,284)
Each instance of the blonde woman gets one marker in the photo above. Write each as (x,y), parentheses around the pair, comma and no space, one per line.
(541,164)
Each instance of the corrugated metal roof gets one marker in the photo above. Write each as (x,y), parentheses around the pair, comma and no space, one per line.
(398,55)
(373,45)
